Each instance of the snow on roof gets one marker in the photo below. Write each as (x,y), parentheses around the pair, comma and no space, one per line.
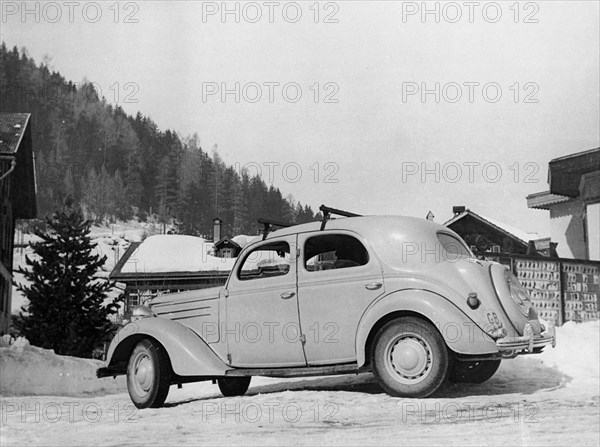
(242,239)
(523,235)
(520,234)
(175,253)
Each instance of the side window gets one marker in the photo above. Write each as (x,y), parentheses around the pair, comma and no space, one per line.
(333,251)
(453,246)
(266,261)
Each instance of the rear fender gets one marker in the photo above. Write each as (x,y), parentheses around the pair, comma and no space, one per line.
(188,353)
(460,333)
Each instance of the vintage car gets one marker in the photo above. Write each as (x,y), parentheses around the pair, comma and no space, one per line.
(401,297)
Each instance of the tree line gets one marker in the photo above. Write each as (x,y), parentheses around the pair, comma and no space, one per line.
(117,166)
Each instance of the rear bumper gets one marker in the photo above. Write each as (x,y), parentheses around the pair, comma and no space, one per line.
(528,342)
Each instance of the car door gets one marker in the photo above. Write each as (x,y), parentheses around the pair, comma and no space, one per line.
(262,327)
(338,277)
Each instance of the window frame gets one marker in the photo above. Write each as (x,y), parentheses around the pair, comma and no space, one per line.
(263,246)
(322,234)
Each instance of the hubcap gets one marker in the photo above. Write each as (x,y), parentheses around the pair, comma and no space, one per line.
(143,374)
(408,358)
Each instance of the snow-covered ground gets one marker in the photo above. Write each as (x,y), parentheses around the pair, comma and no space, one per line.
(547,399)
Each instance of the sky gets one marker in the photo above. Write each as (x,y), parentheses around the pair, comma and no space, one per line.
(376,107)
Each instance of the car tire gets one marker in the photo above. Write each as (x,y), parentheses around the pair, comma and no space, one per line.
(474,372)
(410,358)
(148,374)
(234,386)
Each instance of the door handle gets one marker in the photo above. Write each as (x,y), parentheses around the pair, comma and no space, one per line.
(373,285)
(287,295)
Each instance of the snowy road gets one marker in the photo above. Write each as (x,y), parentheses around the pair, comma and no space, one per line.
(525,403)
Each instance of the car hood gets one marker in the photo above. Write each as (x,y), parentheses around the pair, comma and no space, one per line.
(163,302)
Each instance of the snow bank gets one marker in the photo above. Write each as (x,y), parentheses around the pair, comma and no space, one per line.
(577,351)
(175,253)
(27,370)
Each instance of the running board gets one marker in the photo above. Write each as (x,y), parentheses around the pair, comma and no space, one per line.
(301,371)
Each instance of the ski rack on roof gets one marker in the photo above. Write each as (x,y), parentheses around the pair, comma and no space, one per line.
(268,225)
(328,211)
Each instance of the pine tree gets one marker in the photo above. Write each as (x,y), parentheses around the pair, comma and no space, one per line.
(67,310)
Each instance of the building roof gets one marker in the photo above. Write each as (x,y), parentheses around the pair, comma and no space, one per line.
(544,200)
(12,129)
(170,255)
(507,230)
(227,242)
(564,173)
(16,153)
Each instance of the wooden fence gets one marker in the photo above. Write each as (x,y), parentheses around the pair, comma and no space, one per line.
(561,289)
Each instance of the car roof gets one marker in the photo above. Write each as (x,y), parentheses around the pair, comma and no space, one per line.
(366,225)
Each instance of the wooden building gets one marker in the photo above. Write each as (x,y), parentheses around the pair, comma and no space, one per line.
(227,248)
(484,234)
(573,202)
(17,194)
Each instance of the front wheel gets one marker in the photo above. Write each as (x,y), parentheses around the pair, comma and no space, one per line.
(148,375)
(234,386)
(409,358)
(474,372)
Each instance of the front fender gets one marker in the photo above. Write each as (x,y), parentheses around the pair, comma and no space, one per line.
(189,354)
(461,334)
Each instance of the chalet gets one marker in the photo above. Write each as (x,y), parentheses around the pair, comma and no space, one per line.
(227,248)
(487,234)
(573,200)
(18,196)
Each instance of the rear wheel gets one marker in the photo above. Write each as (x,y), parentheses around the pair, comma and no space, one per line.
(234,386)
(148,375)
(409,358)
(474,372)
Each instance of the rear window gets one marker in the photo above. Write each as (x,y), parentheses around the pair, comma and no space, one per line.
(453,246)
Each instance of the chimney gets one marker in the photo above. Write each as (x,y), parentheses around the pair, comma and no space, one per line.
(456,210)
(217,229)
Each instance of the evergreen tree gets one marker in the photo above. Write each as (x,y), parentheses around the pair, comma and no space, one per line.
(67,310)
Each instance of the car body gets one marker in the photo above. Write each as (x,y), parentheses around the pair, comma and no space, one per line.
(400,296)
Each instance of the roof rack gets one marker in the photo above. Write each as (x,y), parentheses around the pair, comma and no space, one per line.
(268,225)
(328,211)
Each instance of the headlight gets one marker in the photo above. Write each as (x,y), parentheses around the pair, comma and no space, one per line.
(139,312)
(518,293)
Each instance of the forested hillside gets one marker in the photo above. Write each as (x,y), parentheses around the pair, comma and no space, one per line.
(118,166)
